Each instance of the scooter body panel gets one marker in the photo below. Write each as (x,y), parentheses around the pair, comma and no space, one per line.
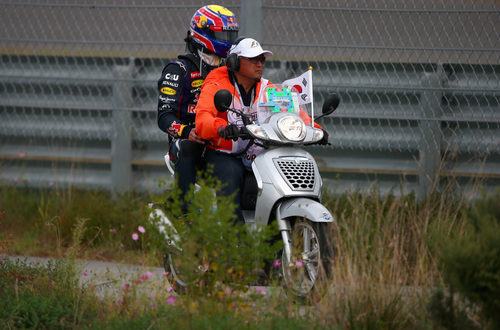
(284,173)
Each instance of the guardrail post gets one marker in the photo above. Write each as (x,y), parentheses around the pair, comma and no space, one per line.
(121,139)
(430,139)
(250,19)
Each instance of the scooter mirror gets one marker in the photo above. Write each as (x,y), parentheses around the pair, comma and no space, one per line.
(331,103)
(222,100)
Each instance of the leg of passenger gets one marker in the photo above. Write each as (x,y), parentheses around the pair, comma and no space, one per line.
(229,170)
(186,166)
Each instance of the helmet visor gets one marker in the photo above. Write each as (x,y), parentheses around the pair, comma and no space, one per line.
(227,35)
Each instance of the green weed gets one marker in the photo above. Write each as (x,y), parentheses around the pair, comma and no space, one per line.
(42,220)
(394,264)
(41,296)
(216,248)
(470,262)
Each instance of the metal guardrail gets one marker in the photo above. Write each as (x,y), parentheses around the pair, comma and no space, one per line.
(419,82)
(65,124)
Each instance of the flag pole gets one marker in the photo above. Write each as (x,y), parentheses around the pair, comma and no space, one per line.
(311,94)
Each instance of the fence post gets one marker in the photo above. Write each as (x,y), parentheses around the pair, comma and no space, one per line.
(250,20)
(121,139)
(430,138)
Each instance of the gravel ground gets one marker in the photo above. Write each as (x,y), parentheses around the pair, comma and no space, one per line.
(112,279)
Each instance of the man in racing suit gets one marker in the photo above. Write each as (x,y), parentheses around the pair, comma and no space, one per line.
(211,33)
(242,76)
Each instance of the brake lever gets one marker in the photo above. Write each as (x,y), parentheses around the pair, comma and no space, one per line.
(244,134)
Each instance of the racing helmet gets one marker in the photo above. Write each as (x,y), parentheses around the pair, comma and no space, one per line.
(213,28)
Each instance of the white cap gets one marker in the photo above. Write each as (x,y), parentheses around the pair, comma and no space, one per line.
(249,48)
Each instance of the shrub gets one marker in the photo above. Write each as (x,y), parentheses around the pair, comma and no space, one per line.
(216,248)
(471,260)
(39,296)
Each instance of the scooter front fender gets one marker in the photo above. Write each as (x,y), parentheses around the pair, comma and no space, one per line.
(302,208)
(306,208)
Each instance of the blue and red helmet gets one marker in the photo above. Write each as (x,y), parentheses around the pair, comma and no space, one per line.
(214,28)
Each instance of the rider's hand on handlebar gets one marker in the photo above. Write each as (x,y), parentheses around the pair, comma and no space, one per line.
(324,140)
(229,132)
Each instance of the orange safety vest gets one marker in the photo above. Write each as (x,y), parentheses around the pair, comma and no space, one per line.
(208,119)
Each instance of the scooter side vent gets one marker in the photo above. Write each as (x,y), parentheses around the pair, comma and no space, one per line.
(298,174)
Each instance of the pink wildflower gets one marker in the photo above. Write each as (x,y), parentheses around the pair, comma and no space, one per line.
(112,230)
(277,263)
(148,273)
(299,263)
(141,229)
(22,155)
(135,236)
(125,286)
(170,289)
(144,277)
(85,273)
(171,300)
(390,244)
(261,291)
(165,273)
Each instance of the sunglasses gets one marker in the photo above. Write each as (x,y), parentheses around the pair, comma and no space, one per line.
(256,60)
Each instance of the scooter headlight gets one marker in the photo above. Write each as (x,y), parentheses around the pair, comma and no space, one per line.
(292,128)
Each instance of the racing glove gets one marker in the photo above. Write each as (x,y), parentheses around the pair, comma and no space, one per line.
(324,140)
(229,132)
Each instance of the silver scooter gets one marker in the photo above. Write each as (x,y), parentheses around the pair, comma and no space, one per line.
(283,186)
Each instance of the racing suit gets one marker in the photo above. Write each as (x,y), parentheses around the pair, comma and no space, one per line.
(178,91)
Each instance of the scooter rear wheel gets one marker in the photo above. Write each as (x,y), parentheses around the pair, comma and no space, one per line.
(184,269)
(173,273)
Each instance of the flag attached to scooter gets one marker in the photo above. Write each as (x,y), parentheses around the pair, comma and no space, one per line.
(303,85)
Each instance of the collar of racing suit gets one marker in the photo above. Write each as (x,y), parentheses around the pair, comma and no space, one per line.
(207,62)
(201,65)
(209,59)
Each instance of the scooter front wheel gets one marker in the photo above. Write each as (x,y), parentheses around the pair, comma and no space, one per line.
(310,257)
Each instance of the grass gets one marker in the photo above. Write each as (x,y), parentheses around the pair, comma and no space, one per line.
(40,223)
(388,273)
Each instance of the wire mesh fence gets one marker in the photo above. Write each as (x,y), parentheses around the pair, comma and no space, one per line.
(415,78)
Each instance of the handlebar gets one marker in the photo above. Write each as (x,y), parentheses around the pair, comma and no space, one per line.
(243,134)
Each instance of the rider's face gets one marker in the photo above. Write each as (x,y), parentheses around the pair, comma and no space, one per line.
(252,67)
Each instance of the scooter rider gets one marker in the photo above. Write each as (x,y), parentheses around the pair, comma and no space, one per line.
(211,33)
(242,76)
